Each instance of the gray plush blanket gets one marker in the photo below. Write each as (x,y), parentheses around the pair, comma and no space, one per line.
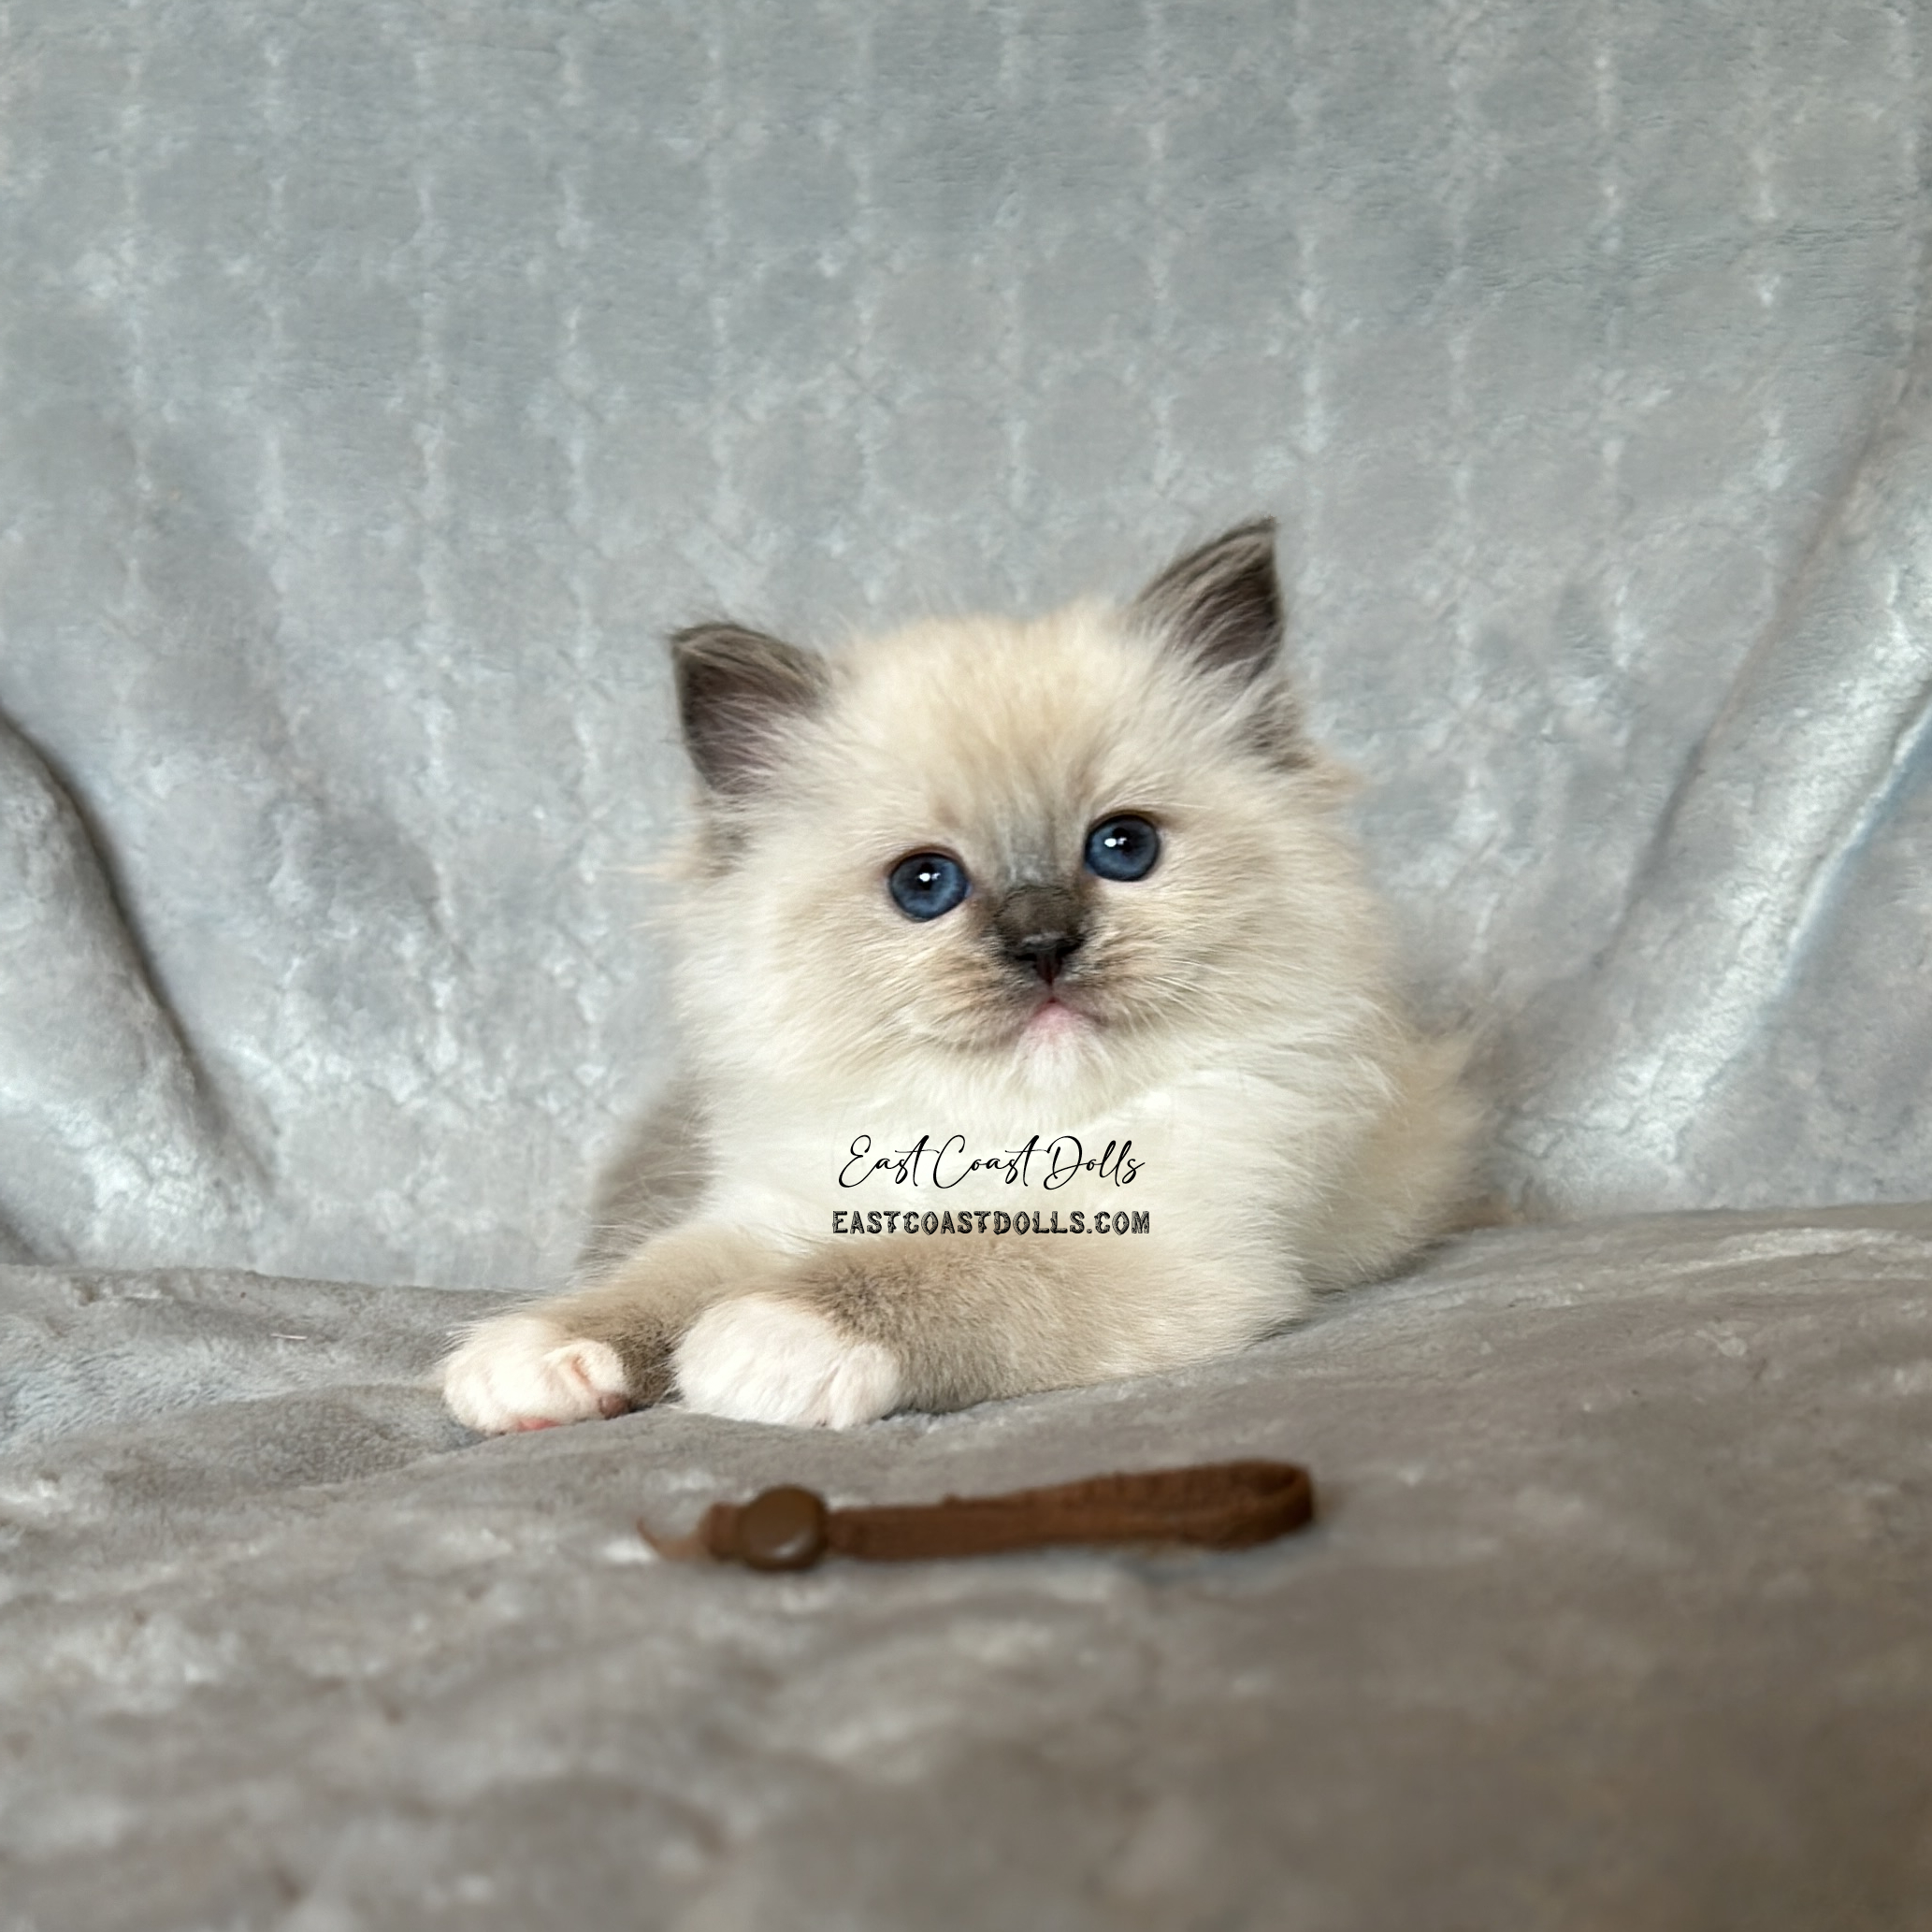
(1616,1615)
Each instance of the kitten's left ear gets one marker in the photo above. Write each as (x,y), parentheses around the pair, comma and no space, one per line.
(1222,602)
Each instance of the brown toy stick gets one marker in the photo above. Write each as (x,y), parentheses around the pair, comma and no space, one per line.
(1217,1505)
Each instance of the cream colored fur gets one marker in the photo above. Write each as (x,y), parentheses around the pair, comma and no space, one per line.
(1237,1023)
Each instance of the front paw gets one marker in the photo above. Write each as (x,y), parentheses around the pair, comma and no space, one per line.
(757,1359)
(523,1372)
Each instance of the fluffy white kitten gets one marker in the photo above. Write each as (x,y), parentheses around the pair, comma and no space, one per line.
(994,883)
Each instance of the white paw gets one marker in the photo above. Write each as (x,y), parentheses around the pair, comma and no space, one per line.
(757,1359)
(521,1372)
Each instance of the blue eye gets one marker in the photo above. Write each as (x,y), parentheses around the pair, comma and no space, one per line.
(927,885)
(1122,848)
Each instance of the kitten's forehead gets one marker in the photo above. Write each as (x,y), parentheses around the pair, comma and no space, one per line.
(1008,734)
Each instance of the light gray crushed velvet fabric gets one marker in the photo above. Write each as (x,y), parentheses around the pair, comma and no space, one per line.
(378,381)
(1617,1616)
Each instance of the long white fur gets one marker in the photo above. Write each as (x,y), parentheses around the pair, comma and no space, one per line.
(758,1360)
(519,1370)
(1293,1129)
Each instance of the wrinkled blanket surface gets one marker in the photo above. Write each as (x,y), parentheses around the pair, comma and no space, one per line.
(1616,1615)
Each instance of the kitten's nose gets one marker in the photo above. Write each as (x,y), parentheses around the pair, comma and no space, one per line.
(1039,926)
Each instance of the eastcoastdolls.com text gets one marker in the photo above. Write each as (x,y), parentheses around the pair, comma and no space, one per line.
(982,1220)
(947,1162)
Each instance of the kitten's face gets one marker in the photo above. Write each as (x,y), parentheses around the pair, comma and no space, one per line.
(1037,852)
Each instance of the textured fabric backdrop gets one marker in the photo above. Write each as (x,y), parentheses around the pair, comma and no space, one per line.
(378,378)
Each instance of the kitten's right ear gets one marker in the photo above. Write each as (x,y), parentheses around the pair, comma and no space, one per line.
(738,692)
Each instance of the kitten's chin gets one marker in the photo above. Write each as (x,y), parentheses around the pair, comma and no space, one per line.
(1053,1028)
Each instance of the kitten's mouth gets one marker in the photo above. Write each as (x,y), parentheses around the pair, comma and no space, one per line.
(1053,1020)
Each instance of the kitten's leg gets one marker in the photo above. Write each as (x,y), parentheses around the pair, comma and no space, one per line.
(603,1349)
(844,1336)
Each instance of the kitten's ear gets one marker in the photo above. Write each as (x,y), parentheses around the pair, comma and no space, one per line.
(1222,602)
(738,691)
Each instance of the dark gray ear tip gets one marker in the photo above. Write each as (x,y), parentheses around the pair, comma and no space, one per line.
(690,646)
(1245,550)
(1257,530)
(1248,547)
(1253,539)
(719,640)
(1222,602)
(736,650)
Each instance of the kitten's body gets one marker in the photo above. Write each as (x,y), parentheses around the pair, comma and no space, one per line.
(1229,1014)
